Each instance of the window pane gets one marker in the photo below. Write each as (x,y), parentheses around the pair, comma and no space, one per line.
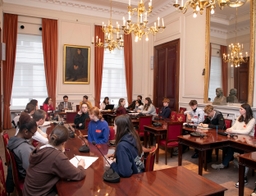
(113,78)
(29,76)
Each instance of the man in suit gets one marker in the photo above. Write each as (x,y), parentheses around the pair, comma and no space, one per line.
(65,105)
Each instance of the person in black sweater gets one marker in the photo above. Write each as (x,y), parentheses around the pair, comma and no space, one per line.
(81,116)
(165,110)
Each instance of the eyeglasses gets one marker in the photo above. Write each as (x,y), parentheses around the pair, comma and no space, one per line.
(33,133)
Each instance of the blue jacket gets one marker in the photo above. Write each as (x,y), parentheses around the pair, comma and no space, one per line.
(128,161)
(98,132)
(165,112)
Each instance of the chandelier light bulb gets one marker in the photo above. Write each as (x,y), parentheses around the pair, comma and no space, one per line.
(194,14)
(197,8)
(212,11)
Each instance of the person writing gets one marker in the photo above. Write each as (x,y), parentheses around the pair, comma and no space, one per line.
(128,155)
(81,116)
(98,130)
(48,164)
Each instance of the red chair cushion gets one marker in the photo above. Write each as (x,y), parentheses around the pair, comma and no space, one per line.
(169,144)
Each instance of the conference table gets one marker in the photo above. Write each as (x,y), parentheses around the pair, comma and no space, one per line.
(171,181)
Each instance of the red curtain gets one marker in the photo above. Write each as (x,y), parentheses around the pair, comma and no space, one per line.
(50,43)
(128,65)
(10,39)
(224,66)
(98,60)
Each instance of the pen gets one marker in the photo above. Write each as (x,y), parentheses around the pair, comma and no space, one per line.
(76,158)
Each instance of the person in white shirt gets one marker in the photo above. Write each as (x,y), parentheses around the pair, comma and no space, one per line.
(39,116)
(148,108)
(196,115)
(104,103)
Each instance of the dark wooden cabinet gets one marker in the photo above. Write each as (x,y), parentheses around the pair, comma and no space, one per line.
(166,73)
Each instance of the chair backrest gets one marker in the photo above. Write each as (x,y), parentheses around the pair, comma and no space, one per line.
(5,137)
(70,116)
(15,120)
(18,183)
(180,117)
(112,134)
(255,130)
(174,129)
(173,115)
(182,110)
(150,160)
(2,180)
(157,110)
(228,123)
(77,108)
(87,121)
(144,120)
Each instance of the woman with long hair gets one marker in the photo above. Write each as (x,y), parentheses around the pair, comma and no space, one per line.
(128,153)
(98,130)
(47,106)
(244,125)
(148,108)
(48,164)
(121,110)
(104,103)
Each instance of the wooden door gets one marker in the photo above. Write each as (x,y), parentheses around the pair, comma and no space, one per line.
(241,75)
(166,74)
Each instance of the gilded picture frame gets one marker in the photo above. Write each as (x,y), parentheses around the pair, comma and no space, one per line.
(76,64)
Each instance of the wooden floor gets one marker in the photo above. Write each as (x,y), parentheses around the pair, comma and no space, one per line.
(225,177)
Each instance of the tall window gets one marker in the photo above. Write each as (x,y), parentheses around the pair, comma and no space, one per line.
(113,81)
(215,77)
(29,76)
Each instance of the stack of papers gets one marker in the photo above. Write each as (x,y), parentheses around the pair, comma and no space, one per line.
(87,159)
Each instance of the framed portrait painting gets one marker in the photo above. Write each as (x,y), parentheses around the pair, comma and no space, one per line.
(76,64)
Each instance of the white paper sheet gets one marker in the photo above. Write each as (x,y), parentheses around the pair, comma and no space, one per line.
(87,159)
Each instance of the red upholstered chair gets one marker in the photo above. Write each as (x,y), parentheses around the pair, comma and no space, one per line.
(70,116)
(5,137)
(112,135)
(157,110)
(2,179)
(228,123)
(87,121)
(180,117)
(182,110)
(174,129)
(173,115)
(150,160)
(18,183)
(143,120)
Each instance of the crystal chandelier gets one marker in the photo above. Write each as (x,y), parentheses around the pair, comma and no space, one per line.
(112,37)
(198,6)
(236,52)
(141,28)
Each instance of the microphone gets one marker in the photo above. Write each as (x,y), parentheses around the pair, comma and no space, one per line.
(109,175)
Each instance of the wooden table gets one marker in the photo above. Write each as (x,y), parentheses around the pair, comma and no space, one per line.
(245,160)
(157,131)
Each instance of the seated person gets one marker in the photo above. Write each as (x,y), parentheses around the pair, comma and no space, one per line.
(133,104)
(98,130)
(220,99)
(128,153)
(165,110)
(19,144)
(35,103)
(85,100)
(47,107)
(48,164)
(244,125)
(81,116)
(196,115)
(121,109)
(39,116)
(104,103)
(232,96)
(148,108)
(65,105)
(138,106)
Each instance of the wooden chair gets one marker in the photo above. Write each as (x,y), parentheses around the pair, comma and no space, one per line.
(180,117)
(2,179)
(5,137)
(182,110)
(150,160)
(143,120)
(77,108)
(174,129)
(70,116)
(173,115)
(18,183)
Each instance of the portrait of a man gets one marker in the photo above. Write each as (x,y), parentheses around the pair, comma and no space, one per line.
(76,64)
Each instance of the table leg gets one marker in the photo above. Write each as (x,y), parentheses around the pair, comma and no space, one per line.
(180,154)
(200,162)
(205,161)
(157,150)
(241,179)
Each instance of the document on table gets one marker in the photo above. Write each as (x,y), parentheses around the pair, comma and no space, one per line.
(87,159)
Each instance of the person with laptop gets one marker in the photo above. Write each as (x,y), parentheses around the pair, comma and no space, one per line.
(65,104)
(104,103)
(244,125)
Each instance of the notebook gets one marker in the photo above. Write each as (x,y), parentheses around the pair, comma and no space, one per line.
(109,107)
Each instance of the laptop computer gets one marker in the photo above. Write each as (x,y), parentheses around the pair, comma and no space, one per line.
(109,107)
